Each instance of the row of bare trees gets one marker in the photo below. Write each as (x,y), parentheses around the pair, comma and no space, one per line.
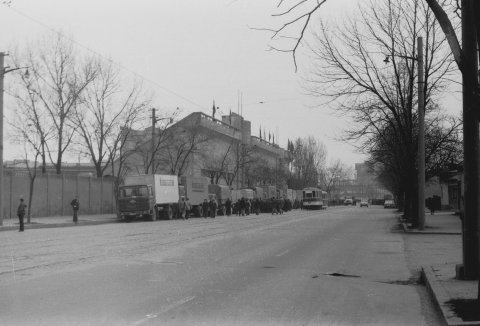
(72,104)
(365,68)
(381,98)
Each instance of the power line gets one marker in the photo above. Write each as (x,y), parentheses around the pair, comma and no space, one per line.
(36,21)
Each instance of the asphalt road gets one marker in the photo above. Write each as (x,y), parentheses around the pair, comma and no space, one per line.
(341,266)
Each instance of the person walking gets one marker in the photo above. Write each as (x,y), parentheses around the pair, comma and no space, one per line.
(188,208)
(76,206)
(213,208)
(205,208)
(181,207)
(21,214)
(228,206)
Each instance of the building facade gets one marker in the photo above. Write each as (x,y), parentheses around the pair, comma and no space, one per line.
(199,145)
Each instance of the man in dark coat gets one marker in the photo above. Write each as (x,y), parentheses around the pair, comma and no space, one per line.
(21,214)
(76,206)
(213,208)
(205,208)
(228,206)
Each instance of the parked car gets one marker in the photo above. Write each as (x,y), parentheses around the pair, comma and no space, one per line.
(364,203)
(348,201)
(389,204)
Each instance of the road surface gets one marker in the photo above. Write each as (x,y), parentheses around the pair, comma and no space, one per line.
(341,266)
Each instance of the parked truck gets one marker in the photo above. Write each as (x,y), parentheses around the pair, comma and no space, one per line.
(197,190)
(270,192)
(148,196)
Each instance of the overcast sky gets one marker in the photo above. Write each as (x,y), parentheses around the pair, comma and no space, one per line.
(191,53)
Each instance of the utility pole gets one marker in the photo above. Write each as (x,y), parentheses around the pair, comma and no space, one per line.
(2,74)
(471,162)
(421,138)
(3,71)
(152,161)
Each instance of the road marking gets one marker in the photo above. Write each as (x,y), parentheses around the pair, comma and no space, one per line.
(283,253)
(164,310)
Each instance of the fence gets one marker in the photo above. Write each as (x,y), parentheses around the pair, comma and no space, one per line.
(52,194)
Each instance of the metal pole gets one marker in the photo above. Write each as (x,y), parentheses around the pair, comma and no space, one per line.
(2,73)
(421,138)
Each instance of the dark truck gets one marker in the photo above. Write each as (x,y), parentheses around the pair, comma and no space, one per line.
(148,196)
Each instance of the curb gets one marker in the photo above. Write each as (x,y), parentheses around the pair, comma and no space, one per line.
(57,225)
(439,296)
(416,231)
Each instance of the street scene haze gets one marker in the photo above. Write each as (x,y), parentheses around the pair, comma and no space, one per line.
(239,162)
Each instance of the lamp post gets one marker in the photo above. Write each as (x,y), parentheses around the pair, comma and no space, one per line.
(3,71)
(421,138)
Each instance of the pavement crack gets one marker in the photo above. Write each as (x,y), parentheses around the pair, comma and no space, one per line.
(340,274)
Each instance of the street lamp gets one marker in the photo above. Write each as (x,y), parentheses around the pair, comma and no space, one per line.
(3,71)
(421,132)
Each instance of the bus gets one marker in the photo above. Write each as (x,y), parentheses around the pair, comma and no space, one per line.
(314,198)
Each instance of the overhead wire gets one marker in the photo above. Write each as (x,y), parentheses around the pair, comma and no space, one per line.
(121,66)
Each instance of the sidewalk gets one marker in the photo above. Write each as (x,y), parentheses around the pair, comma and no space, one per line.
(438,249)
(58,221)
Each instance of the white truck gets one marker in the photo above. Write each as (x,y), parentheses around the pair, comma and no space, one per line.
(148,196)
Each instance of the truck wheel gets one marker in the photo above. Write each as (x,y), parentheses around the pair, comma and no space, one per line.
(169,212)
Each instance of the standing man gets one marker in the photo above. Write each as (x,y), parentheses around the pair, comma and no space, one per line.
(188,208)
(205,209)
(228,206)
(21,214)
(213,207)
(76,206)
(182,207)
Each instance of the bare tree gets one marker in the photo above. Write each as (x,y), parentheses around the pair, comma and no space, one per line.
(331,174)
(107,106)
(58,76)
(181,144)
(216,166)
(308,161)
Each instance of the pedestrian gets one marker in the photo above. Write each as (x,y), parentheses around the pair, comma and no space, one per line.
(21,214)
(76,206)
(205,208)
(228,205)
(181,207)
(188,208)
(213,208)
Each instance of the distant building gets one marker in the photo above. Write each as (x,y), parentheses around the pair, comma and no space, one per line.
(223,149)
(364,185)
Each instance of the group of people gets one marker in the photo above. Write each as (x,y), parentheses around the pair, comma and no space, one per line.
(209,208)
(22,208)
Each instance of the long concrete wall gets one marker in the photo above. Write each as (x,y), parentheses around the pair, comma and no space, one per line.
(52,195)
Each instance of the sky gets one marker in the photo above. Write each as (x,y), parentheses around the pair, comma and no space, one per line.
(191,53)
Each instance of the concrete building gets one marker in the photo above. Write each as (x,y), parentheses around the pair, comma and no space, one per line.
(199,145)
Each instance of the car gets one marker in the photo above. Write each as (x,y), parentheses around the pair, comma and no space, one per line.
(348,201)
(364,203)
(389,204)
